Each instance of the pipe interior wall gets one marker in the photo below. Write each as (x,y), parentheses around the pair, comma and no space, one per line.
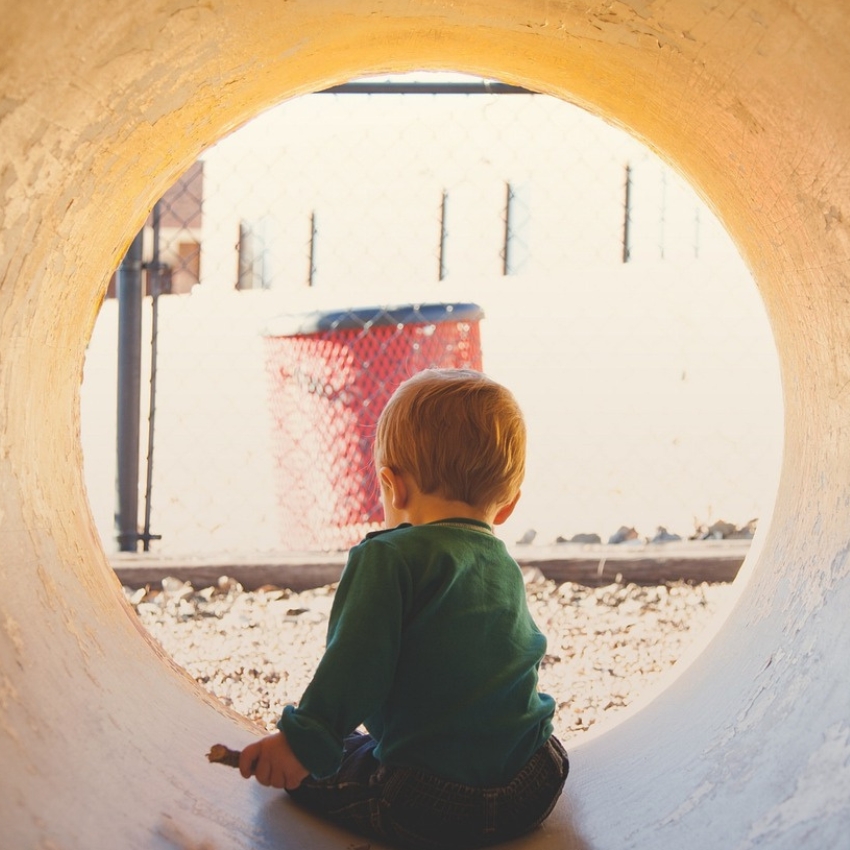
(104,103)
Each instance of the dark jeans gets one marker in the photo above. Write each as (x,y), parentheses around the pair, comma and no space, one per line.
(410,808)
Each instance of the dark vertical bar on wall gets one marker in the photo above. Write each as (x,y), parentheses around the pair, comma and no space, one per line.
(311,273)
(506,251)
(443,235)
(245,257)
(128,287)
(627,215)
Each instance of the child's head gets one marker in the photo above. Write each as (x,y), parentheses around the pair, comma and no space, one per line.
(458,434)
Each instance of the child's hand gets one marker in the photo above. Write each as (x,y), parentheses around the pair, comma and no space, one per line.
(272,762)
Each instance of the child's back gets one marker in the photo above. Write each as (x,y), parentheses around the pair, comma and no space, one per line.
(430,643)
(441,612)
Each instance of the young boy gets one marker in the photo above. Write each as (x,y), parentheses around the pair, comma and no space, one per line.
(430,644)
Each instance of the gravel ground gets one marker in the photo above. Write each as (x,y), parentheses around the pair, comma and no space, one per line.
(256,651)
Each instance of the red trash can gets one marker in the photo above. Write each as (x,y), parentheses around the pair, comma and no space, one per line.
(331,374)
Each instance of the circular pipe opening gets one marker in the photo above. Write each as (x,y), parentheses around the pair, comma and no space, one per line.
(638,350)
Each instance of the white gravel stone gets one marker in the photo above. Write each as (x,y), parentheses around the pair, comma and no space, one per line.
(256,651)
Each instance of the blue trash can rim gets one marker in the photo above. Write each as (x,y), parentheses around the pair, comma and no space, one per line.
(322,321)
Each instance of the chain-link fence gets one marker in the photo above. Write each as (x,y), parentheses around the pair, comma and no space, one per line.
(611,302)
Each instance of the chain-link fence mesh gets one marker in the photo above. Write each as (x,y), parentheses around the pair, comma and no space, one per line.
(331,374)
(614,306)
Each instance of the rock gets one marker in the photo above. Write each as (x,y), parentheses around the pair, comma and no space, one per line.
(605,645)
(532,575)
(584,538)
(134,597)
(623,535)
(175,588)
(229,585)
(746,532)
(722,530)
(664,536)
(527,538)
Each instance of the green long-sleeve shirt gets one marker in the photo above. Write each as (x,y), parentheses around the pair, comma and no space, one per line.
(431,646)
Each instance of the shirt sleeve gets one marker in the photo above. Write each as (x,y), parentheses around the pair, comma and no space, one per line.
(357,669)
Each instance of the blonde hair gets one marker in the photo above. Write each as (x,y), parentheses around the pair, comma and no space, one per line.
(457,433)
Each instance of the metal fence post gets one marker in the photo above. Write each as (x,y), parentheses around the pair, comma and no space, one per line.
(507,264)
(627,215)
(128,286)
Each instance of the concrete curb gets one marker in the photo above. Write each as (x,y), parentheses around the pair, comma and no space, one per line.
(694,561)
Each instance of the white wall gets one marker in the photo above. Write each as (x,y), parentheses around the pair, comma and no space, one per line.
(651,388)
(652,398)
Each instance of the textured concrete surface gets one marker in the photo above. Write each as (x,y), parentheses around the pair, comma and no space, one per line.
(103,103)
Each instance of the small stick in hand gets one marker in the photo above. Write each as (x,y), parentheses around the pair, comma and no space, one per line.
(219,754)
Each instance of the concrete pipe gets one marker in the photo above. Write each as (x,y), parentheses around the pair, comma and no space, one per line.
(104,102)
